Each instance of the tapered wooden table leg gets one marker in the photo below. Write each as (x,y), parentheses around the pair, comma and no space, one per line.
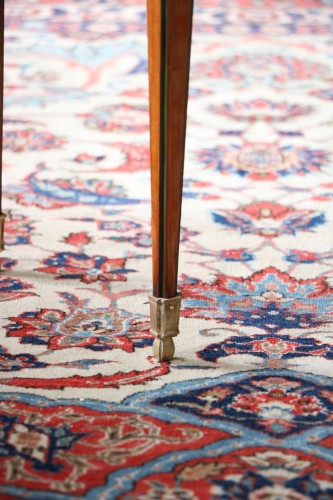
(2,216)
(169,46)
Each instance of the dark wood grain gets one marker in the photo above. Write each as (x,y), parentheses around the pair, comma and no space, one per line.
(169,44)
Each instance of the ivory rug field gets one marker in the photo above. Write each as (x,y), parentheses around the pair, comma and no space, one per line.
(245,410)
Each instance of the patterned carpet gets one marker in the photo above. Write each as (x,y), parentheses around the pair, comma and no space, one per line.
(245,408)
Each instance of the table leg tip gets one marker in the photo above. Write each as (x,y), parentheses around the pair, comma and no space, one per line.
(164,349)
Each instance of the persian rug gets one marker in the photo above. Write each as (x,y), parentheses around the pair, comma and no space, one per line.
(245,408)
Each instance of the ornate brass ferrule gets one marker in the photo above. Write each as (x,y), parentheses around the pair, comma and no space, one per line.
(2,230)
(164,314)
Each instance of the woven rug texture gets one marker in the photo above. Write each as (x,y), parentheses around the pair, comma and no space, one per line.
(245,409)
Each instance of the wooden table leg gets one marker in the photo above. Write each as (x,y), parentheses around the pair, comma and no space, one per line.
(169,46)
(2,216)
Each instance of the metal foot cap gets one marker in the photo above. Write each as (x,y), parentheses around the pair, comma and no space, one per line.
(164,349)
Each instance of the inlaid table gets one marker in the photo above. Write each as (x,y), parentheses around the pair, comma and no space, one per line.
(169,45)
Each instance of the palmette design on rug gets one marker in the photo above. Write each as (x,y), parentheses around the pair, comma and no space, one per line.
(245,408)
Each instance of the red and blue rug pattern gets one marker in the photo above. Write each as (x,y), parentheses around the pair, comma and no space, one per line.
(245,410)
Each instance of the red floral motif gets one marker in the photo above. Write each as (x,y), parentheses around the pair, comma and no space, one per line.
(263,161)
(268,299)
(304,256)
(137,157)
(57,447)
(274,349)
(13,288)
(261,109)
(252,472)
(262,67)
(68,265)
(30,140)
(285,403)
(265,285)
(278,406)
(6,263)
(268,219)
(78,239)
(18,229)
(96,329)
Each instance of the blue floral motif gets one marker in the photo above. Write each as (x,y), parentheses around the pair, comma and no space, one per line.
(279,406)
(263,162)
(269,299)
(263,346)
(276,221)
(50,194)
(16,362)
